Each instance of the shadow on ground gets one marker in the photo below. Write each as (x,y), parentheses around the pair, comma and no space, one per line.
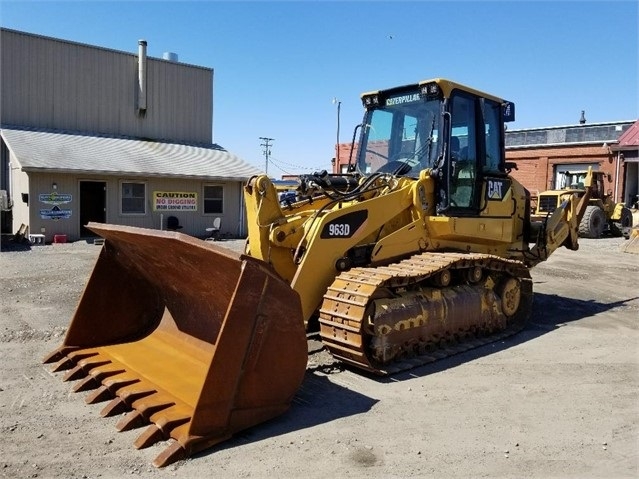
(10,242)
(321,401)
(318,401)
(549,312)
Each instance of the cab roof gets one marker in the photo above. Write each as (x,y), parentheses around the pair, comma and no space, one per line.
(447,87)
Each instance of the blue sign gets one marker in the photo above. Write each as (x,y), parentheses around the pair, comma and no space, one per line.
(55,213)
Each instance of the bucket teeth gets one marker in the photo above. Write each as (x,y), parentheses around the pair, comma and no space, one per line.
(100,374)
(150,436)
(96,378)
(124,402)
(162,427)
(91,363)
(63,365)
(116,384)
(74,374)
(133,420)
(173,453)
(58,354)
(99,395)
(141,415)
(87,384)
(115,407)
(149,410)
(83,367)
(108,389)
(129,397)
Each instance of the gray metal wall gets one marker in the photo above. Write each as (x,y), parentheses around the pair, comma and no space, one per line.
(51,83)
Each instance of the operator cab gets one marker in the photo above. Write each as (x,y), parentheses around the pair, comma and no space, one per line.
(454,131)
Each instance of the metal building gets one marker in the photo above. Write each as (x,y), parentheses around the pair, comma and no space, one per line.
(92,134)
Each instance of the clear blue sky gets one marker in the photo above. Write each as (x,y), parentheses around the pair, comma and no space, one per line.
(278,65)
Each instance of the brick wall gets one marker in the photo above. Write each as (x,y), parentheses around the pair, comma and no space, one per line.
(344,155)
(537,165)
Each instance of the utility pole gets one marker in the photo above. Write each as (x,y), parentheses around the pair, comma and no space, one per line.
(267,150)
(339,104)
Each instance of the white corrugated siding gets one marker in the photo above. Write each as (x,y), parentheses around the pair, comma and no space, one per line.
(48,151)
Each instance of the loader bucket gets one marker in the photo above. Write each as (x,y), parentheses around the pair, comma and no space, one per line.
(632,244)
(193,340)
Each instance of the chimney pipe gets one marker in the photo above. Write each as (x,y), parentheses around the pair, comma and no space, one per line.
(142,69)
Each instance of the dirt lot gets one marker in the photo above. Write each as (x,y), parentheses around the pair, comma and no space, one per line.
(560,399)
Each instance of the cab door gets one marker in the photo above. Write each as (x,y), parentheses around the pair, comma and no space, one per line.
(475,154)
(463,157)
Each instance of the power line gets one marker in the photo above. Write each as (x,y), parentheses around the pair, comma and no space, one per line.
(267,150)
(296,167)
(275,163)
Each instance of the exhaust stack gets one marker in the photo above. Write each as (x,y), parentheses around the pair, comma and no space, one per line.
(142,70)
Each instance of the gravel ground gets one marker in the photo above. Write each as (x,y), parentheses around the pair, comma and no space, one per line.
(560,399)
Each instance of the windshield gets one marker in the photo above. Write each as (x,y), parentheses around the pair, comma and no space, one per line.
(401,137)
(574,180)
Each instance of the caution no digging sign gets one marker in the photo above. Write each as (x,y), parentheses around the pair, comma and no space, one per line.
(174,201)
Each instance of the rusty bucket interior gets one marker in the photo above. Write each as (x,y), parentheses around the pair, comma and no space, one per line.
(191,339)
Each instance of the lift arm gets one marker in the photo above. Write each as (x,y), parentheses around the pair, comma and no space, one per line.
(562,227)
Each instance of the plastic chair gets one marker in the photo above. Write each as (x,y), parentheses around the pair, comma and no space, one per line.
(173,223)
(214,231)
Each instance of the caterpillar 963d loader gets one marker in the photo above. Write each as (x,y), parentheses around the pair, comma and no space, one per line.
(420,250)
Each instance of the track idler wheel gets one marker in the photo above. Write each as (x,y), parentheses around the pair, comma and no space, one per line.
(474,274)
(509,291)
(443,278)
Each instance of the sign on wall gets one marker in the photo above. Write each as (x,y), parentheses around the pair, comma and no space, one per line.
(55,199)
(174,201)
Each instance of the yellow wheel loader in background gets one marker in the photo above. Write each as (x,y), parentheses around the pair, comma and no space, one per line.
(602,214)
(421,250)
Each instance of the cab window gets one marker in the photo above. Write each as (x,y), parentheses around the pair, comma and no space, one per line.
(492,128)
(463,153)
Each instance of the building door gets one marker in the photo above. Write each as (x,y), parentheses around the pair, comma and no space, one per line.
(632,183)
(92,204)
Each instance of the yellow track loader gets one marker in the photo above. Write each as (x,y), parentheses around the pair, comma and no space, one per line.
(422,249)
(602,213)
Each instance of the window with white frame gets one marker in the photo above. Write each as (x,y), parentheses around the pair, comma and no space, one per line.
(133,198)
(213,199)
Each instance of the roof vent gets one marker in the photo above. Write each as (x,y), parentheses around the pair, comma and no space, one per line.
(582,120)
(170,56)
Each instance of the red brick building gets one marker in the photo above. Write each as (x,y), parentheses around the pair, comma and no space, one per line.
(627,150)
(542,153)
